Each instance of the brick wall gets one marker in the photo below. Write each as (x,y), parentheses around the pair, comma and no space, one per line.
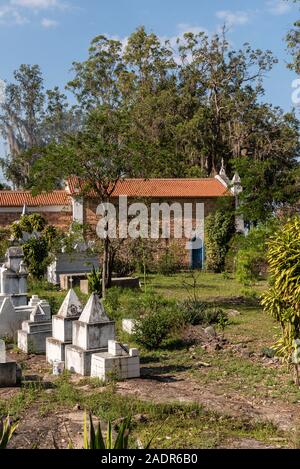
(210,205)
(59,219)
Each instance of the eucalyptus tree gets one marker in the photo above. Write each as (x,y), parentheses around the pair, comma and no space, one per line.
(30,118)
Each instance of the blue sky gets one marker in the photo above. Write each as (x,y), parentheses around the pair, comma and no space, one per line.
(53,33)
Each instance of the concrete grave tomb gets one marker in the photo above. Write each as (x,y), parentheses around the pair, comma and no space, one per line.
(118,361)
(91,334)
(62,326)
(9,372)
(32,337)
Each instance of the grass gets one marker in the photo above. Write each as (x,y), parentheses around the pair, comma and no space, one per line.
(173,425)
(180,425)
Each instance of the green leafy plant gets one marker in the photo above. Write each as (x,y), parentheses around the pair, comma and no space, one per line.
(154,327)
(93,438)
(95,281)
(219,230)
(251,257)
(282,300)
(193,312)
(7,429)
(170,261)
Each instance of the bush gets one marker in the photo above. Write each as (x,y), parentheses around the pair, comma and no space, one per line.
(219,230)
(195,312)
(251,257)
(123,267)
(36,256)
(95,281)
(112,302)
(4,241)
(154,327)
(170,261)
(282,300)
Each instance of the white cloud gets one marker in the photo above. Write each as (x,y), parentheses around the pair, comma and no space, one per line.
(10,15)
(233,18)
(47,23)
(278,7)
(36,4)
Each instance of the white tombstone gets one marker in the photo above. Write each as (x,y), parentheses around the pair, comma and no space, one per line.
(2,352)
(62,325)
(90,334)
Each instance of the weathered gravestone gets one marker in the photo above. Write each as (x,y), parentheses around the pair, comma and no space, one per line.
(8,369)
(119,362)
(91,334)
(62,323)
(32,337)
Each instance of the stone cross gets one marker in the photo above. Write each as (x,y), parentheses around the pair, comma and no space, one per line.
(2,352)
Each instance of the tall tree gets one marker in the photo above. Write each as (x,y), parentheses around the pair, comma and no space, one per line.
(293,42)
(98,157)
(29,119)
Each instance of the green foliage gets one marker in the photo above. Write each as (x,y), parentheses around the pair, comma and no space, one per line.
(7,430)
(170,261)
(219,230)
(93,439)
(122,266)
(293,42)
(195,312)
(156,319)
(251,256)
(282,300)
(112,302)
(4,240)
(36,256)
(154,327)
(95,281)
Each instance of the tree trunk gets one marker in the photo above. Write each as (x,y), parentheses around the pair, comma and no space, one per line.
(105,267)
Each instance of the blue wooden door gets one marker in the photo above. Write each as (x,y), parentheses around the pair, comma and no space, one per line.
(197,254)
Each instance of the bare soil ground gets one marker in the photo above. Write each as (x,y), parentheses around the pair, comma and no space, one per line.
(160,384)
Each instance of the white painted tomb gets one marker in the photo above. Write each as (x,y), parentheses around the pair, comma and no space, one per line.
(8,369)
(13,276)
(32,337)
(91,334)
(62,325)
(118,362)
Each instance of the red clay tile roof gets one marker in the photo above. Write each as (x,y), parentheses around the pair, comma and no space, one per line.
(20,198)
(160,188)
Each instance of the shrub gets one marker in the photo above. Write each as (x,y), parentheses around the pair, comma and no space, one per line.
(123,267)
(4,241)
(195,312)
(170,261)
(7,429)
(219,230)
(154,327)
(93,439)
(36,256)
(251,257)
(282,300)
(112,302)
(95,281)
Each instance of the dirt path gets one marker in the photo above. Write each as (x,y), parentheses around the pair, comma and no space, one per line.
(163,389)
